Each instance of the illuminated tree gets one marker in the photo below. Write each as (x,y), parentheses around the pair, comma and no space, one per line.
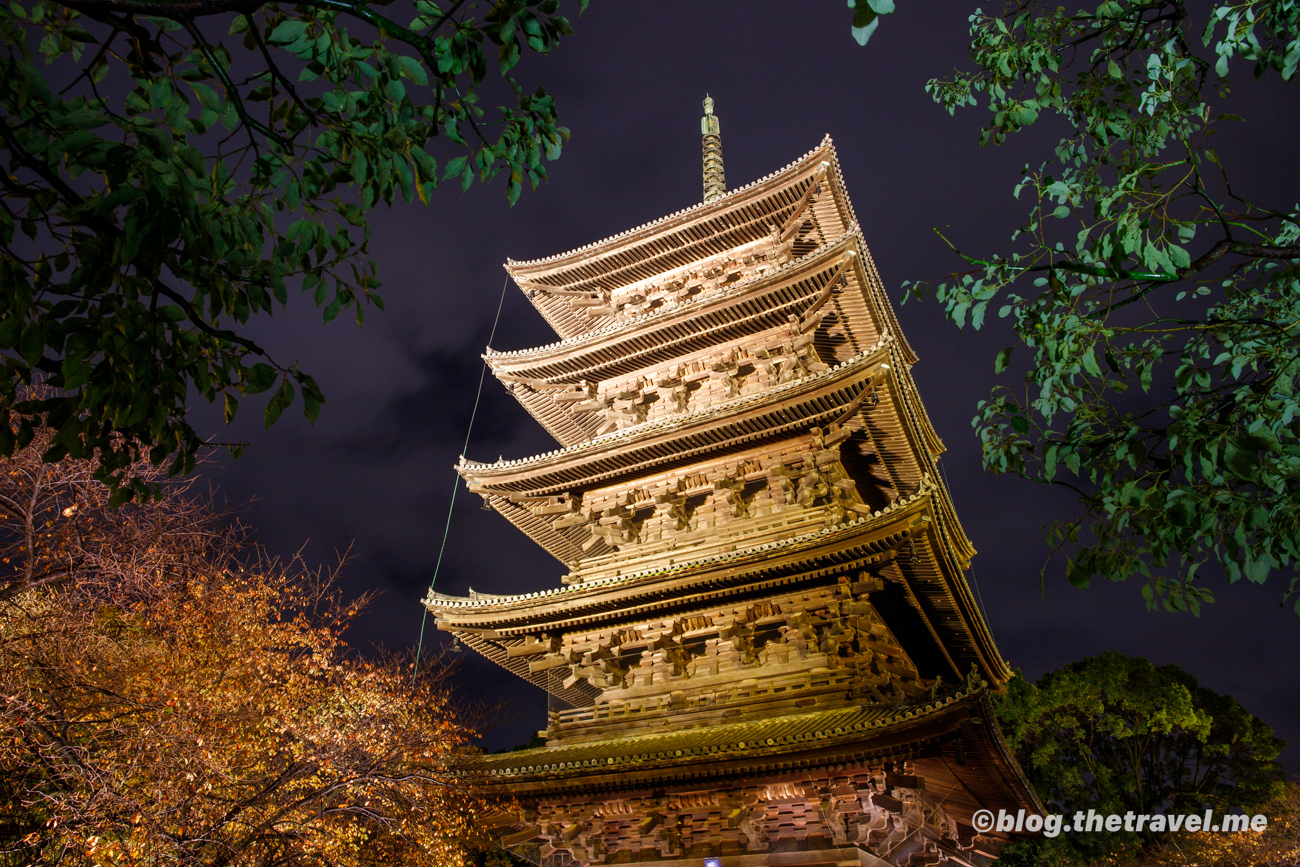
(169,698)
(1117,734)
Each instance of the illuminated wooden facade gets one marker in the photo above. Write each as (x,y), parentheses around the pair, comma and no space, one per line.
(765,637)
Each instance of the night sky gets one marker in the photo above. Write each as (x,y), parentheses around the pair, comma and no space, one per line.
(375,473)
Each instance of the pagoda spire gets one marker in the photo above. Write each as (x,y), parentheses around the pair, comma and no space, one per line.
(715,180)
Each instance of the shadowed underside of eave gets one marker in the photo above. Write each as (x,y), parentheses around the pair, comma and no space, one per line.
(890,429)
(743,216)
(750,318)
(907,542)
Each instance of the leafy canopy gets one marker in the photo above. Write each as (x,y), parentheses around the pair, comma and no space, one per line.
(170,697)
(1161,310)
(173,170)
(1277,844)
(1116,734)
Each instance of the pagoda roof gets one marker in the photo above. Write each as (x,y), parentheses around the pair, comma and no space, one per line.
(741,216)
(918,731)
(784,410)
(492,624)
(590,602)
(749,307)
(570,349)
(636,449)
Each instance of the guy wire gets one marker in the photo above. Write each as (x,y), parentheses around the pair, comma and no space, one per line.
(455,486)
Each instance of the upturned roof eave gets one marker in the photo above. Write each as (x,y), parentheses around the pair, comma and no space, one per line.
(841,738)
(864,733)
(589,341)
(604,265)
(862,365)
(586,604)
(630,237)
(493,611)
(742,739)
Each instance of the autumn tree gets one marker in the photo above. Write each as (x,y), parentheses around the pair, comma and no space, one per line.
(169,698)
(1278,844)
(1159,305)
(174,170)
(1116,734)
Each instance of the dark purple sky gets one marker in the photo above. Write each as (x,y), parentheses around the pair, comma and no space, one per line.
(375,472)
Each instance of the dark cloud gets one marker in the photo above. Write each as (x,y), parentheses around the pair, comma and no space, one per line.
(434,411)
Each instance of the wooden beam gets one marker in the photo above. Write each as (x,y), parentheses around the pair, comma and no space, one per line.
(792,223)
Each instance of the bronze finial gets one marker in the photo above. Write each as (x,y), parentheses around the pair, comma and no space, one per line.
(715,180)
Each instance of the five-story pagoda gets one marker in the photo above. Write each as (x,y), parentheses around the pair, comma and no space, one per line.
(765,636)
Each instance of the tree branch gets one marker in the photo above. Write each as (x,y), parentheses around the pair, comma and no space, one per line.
(203,326)
(53,577)
(38,166)
(232,92)
(277,74)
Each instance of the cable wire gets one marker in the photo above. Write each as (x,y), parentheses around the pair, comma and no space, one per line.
(455,485)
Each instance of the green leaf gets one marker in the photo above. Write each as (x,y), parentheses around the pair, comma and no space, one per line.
(413,69)
(1242,462)
(866,17)
(1003,359)
(1257,569)
(287,31)
(207,96)
(32,344)
(311,397)
(279,402)
(455,167)
(76,370)
(862,34)
(1089,361)
(258,378)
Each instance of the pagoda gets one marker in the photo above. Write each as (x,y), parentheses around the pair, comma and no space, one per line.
(765,642)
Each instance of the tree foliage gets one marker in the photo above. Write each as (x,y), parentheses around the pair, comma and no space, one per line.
(175,170)
(167,701)
(1161,309)
(866,17)
(1115,734)
(1278,844)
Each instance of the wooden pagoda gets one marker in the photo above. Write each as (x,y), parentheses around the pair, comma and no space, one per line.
(765,638)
